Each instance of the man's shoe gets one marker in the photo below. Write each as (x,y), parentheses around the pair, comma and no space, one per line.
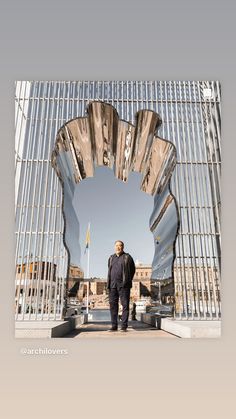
(123,329)
(113,329)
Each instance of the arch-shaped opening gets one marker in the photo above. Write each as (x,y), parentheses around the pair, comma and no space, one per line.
(102,139)
(114,210)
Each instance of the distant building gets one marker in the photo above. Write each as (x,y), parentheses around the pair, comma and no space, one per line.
(141,286)
(202,284)
(36,270)
(75,272)
(98,287)
(35,287)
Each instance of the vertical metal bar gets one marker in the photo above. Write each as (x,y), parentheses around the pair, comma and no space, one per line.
(61,258)
(19,115)
(122,99)
(42,207)
(180,272)
(17,168)
(211,212)
(43,289)
(183,160)
(51,225)
(22,196)
(56,257)
(165,128)
(201,201)
(56,241)
(207,193)
(215,170)
(204,237)
(196,188)
(44,255)
(127,101)
(36,206)
(176,140)
(208,126)
(132,101)
(32,236)
(25,196)
(215,226)
(65,116)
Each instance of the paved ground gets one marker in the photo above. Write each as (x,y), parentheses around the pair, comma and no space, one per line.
(136,329)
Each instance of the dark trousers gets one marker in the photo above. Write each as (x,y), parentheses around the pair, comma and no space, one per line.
(124,295)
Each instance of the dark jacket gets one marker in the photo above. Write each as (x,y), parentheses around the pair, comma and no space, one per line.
(128,271)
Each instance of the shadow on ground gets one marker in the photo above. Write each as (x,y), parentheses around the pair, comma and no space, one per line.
(100,329)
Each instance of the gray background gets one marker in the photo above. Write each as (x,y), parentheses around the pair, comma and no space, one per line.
(73,40)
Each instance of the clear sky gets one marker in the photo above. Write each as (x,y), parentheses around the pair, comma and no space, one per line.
(116,211)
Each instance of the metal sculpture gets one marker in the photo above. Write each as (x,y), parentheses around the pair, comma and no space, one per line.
(101,138)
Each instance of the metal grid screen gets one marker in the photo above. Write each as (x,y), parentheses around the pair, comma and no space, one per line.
(190,111)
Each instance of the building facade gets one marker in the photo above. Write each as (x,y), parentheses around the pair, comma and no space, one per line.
(190,112)
(141,286)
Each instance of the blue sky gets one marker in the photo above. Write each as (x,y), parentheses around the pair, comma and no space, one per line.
(116,210)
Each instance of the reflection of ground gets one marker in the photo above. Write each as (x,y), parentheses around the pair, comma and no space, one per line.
(136,329)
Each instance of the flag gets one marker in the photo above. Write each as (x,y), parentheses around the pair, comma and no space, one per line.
(87,241)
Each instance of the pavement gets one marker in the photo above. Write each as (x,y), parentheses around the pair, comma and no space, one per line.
(136,329)
(192,328)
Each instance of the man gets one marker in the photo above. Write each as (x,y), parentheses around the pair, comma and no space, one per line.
(121,269)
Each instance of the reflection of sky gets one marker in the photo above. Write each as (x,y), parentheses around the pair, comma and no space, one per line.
(117,211)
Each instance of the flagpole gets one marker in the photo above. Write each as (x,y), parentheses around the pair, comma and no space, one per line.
(88,271)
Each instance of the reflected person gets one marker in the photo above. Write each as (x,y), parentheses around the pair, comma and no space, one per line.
(121,270)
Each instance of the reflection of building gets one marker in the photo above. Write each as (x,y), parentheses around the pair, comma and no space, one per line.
(163,291)
(75,272)
(76,286)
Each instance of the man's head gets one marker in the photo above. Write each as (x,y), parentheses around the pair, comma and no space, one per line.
(119,247)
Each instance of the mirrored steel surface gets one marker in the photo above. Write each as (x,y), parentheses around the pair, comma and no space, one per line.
(124,150)
(146,125)
(159,167)
(103,121)
(164,227)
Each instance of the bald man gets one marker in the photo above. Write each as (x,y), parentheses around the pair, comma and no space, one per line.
(121,270)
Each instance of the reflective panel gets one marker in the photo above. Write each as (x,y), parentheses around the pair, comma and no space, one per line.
(124,150)
(103,120)
(146,125)
(79,133)
(159,167)
(164,227)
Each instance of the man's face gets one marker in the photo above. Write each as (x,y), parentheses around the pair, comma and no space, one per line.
(119,248)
